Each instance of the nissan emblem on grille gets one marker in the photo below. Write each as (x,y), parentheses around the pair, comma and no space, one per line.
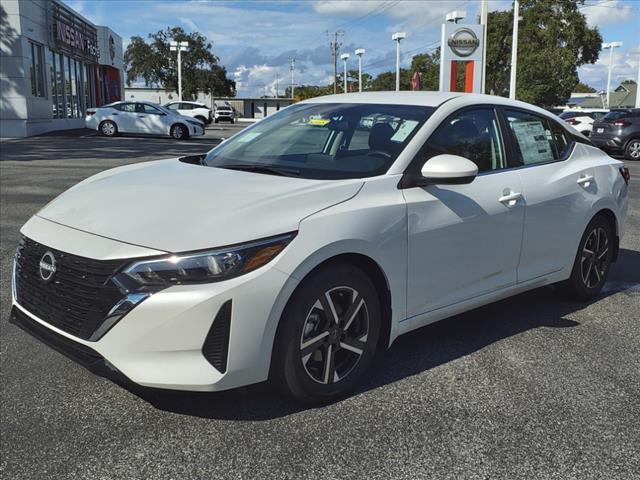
(47,266)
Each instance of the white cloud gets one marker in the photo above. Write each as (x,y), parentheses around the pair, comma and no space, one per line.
(609,13)
(625,66)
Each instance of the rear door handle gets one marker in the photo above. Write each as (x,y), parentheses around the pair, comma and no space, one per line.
(585,180)
(510,199)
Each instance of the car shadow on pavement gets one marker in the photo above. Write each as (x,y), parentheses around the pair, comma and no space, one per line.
(412,353)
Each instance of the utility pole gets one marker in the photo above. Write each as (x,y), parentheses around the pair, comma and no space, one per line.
(293,77)
(179,47)
(360,52)
(335,46)
(638,85)
(277,85)
(396,37)
(610,46)
(514,50)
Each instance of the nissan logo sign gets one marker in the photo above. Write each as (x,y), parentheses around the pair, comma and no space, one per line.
(463,42)
(47,266)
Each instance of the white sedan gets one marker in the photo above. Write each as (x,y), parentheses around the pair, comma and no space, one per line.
(302,246)
(141,118)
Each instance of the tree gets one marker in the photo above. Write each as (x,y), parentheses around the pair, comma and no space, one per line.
(554,40)
(157,65)
(583,88)
(428,66)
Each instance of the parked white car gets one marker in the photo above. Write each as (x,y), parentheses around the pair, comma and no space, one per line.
(224,113)
(141,118)
(196,110)
(298,248)
(582,119)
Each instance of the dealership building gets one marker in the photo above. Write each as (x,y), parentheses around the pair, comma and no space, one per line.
(54,64)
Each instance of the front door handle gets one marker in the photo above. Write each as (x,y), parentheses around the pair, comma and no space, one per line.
(585,180)
(510,198)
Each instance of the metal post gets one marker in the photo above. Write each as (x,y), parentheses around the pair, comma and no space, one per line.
(345,57)
(610,46)
(179,74)
(360,52)
(293,77)
(397,37)
(484,16)
(514,50)
(638,85)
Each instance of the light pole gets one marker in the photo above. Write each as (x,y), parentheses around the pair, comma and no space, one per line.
(359,53)
(610,46)
(293,77)
(396,37)
(345,57)
(514,50)
(179,47)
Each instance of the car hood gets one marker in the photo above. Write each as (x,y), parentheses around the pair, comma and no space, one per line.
(174,206)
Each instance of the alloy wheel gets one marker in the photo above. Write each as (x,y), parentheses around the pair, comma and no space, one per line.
(178,132)
(634,149)
(594,261)
(334,335)
(108,128)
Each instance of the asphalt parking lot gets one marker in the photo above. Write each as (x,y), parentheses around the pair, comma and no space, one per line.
(533,387)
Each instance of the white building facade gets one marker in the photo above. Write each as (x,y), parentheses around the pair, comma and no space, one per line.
(54,64)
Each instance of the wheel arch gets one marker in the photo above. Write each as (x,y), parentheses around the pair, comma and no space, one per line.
(375,273)
(610,217)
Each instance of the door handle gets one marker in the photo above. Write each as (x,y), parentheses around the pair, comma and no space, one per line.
(585,180)
(141,116)
(510,199)
(114,114)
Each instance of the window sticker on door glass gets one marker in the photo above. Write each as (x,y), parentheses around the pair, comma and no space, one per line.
(247,137)
(533,142)
(404,131)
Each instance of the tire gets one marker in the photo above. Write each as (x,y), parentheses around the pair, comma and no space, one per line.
(179,131)
(201,118)
(108,128)
(216,120)
(632,151)
(315,359)
(592,262)
(232,121)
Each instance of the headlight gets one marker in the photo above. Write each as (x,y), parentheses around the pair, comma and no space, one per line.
(209,266)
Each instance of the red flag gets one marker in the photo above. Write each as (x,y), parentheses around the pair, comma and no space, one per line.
(415,81)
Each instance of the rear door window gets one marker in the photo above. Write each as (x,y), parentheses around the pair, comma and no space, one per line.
(533,138)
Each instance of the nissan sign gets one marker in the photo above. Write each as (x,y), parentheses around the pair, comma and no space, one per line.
(463,42)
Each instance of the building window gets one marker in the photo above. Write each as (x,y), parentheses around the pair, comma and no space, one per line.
(37,70)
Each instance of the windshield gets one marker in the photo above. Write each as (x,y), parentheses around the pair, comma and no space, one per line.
(323,141)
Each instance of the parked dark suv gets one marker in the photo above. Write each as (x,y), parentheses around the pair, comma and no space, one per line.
(619,132)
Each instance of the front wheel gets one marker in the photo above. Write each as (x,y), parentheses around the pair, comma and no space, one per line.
(179,132)
(592,262)
(632,152)
(328,335)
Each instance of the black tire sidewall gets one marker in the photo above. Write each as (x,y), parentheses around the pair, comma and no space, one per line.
(287,369)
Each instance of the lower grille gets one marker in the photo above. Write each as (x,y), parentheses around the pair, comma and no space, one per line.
(216,345)
(77,297)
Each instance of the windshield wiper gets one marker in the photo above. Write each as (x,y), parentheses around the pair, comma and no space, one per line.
(269,170)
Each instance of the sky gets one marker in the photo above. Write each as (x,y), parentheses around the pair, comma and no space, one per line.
(254,40)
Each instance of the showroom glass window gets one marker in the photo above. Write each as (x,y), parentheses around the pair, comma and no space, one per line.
(37,70)
(472,134)
(537,139)
(54,84)
(324,141)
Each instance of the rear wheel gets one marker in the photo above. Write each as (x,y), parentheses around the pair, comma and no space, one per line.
(593,260)
(201,118)
(328,335)
(632,152)
(179,131)
(108,128)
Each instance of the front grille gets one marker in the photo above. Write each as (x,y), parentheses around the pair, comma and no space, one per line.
(76,299)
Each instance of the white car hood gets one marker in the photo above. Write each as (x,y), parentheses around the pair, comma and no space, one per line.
(173,206)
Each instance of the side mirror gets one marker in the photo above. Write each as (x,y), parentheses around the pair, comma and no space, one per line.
(447,170)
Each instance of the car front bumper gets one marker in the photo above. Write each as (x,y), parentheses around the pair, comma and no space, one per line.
(166,340)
